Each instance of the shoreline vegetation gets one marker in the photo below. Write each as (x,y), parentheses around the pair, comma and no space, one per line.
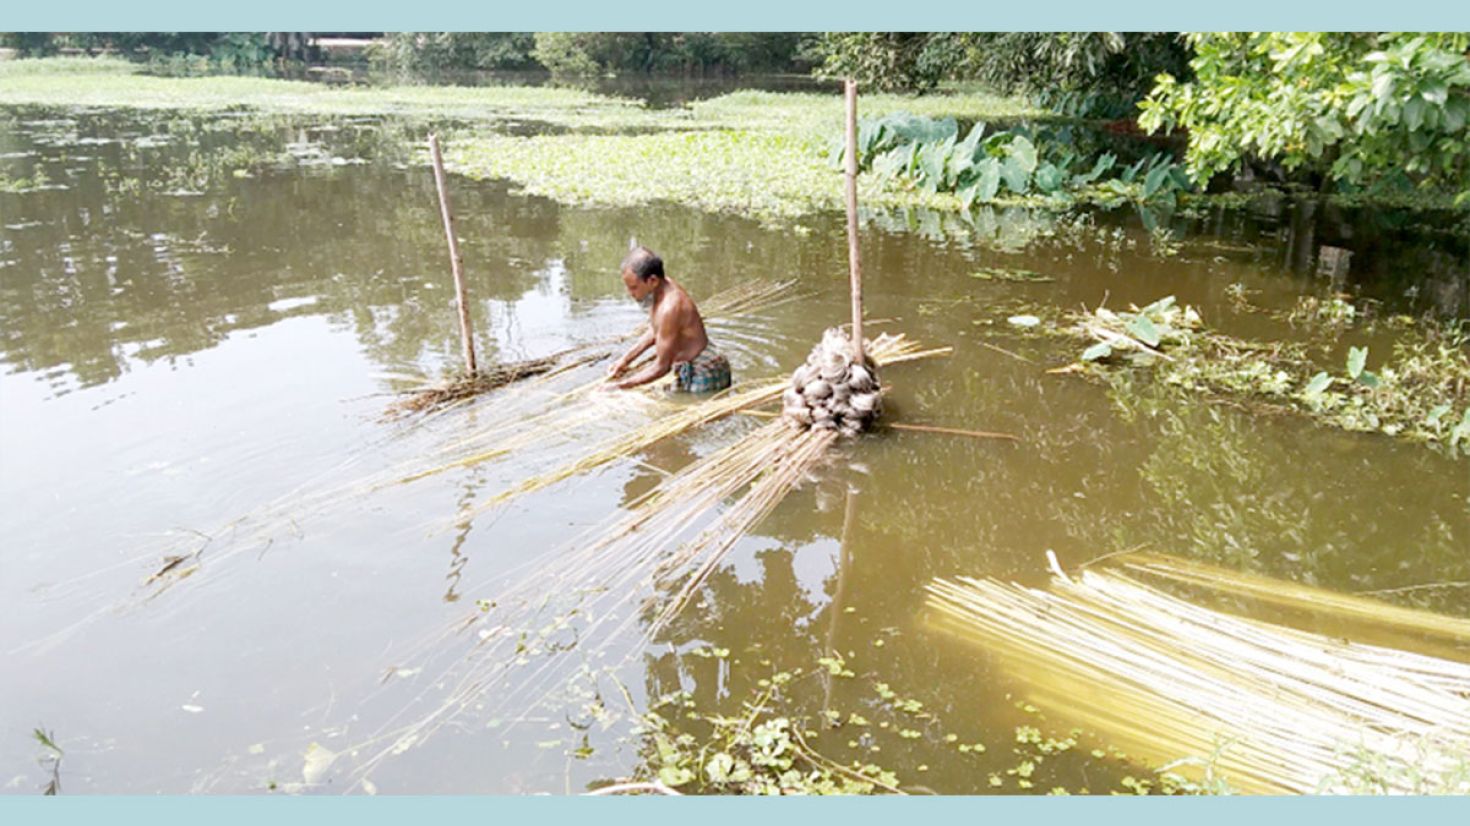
(1419,392)
(768,156)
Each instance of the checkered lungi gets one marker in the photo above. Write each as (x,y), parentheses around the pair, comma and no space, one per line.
(705,373)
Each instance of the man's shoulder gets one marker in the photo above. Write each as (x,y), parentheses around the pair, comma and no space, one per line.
(678,304)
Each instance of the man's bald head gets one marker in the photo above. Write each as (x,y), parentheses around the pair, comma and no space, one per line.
(644,264)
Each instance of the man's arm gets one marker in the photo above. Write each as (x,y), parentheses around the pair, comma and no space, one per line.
(645,341)
(666,336)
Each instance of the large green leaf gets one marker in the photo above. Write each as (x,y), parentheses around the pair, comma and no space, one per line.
(1048,178)
(1024,153)
(967,147)
(1102,165)
(1101,350)
(1155,179)
(932,162)
(967,195)
(1016,176)
(989,182)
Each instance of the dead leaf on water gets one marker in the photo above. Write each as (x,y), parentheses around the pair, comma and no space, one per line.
(318,760)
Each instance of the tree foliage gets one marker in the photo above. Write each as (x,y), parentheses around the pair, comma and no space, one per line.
(1117,65)
(582,53)
(438,51)
(1373,109)
(887,61)
(219,51)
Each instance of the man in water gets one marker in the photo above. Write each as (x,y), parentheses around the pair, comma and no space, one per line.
(675,331)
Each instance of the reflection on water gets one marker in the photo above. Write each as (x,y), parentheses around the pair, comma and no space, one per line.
(197,314)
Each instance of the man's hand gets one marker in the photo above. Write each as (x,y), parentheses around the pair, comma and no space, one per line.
(616,368)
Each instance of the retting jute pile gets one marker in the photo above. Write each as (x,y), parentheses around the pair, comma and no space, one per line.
(833,390)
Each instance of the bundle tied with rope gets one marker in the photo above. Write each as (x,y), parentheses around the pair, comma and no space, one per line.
(836,389)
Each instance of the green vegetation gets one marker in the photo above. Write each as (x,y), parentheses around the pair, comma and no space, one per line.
(1421,394)
(1081,73)
(751,153)
(771,744)
(764,175)
(1369,773)
(756,753)
(50,759)
(430,52)
(927,154)
(1377,109)
(172,52)
(1378,112)
(115,83)
(571,54)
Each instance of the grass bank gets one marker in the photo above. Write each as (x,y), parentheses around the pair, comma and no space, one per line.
(759,154)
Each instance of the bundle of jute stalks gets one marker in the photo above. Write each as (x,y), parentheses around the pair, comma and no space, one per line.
(834,390)
(1269,708)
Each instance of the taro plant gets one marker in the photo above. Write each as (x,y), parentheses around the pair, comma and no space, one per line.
(930,155)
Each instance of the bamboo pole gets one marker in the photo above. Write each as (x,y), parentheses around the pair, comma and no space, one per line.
(854,260)
(456,261)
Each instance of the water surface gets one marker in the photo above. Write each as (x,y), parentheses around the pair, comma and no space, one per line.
(184,346)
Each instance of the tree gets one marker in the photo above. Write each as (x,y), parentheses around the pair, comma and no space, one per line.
(887,61)
(1116,65)
(1372,109)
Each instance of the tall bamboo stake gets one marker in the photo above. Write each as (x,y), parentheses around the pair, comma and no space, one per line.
(456,262)
(855,264)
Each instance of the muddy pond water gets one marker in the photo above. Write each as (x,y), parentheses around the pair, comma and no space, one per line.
(185,345)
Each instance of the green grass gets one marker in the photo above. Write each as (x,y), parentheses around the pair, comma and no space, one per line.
(112,83)
(812,114)
(759,154)
(770,176)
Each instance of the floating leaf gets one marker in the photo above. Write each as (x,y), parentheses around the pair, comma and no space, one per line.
(1144,330)
(1356,360)
(675,775)
(719,767)
(1158,308)
(1318,383)
(318,760)
(1024,320)
(1101,350)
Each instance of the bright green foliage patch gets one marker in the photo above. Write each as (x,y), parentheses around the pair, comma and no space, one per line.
(1421,393)
(765,175)
(1362,109)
